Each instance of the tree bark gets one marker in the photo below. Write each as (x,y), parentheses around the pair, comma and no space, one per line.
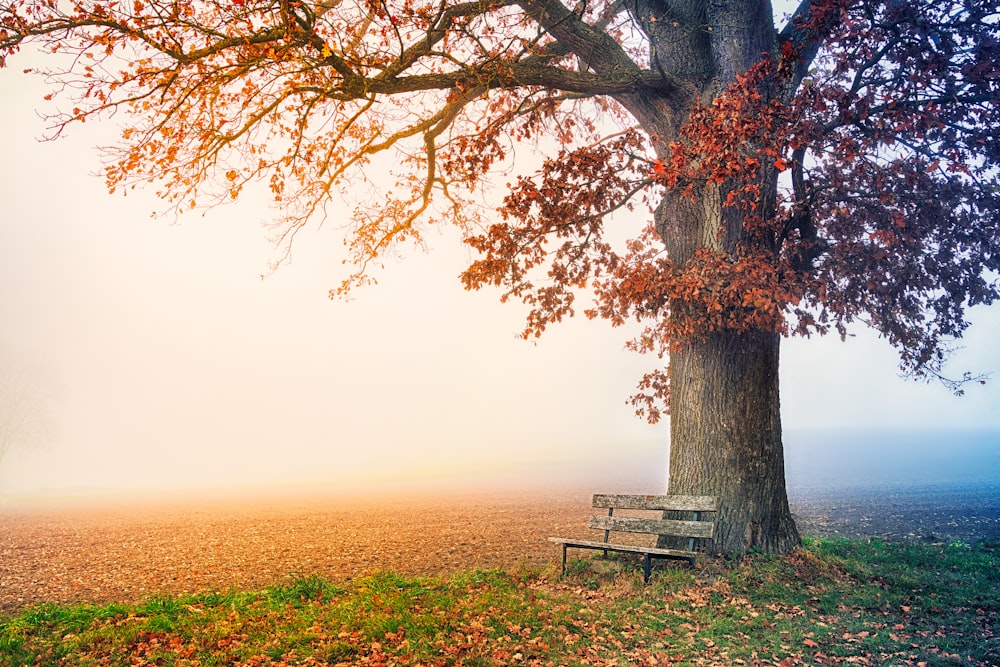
(726,437)
(725,424)
(725,421)
(725,416)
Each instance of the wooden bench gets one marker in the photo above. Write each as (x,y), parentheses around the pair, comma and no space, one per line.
(695,529)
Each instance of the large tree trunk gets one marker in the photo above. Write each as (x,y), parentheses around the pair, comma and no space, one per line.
(725,422)
(725,426)
(725,434)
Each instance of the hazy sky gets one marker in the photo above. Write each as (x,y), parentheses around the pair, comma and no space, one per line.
(161,359)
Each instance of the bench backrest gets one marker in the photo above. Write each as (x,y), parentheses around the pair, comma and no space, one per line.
(696,528)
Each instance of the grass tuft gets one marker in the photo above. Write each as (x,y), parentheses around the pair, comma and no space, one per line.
(302,590)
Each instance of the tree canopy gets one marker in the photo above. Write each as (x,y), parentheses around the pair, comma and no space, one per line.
(839,166)
(884,123)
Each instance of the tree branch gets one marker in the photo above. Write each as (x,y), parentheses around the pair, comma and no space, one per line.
(811,23)
(593,46)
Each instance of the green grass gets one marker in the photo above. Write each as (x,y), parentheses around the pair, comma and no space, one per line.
(834,602)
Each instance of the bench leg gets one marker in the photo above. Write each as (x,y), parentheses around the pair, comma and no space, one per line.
(647,567)
(697,517)
(564,560)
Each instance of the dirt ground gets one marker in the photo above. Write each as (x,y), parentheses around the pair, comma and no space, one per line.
(126,553)
(102,554)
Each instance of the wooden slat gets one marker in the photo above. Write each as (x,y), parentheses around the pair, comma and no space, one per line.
(703,529)
(668,502)
(625,548)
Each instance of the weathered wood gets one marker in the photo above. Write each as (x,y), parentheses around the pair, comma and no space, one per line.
(667,502)
(696,529)
(700,529)
(625,548)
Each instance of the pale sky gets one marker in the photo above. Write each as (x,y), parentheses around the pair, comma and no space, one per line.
(161,359)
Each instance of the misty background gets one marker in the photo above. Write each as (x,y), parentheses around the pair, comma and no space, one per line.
(155,359)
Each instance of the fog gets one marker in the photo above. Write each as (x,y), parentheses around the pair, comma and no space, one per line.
(158,360)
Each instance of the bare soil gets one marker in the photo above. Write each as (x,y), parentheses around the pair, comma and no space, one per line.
(127,553)
(931,513)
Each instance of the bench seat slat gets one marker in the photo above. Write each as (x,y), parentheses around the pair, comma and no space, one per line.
(627,548)
(667,502)
(700,529)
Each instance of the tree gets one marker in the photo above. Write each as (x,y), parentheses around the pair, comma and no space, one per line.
(840,169)
(22,418)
